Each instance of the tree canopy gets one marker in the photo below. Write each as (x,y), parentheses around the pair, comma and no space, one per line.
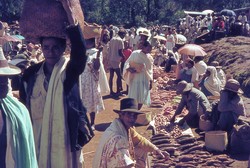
(132,12)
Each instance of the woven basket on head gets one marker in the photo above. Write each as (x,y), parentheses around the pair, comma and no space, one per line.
(91,30)
(46,18)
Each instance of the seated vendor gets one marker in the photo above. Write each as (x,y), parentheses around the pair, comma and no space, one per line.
(189,73)
(210,83)
(194,100)
(230,105)
(220,73)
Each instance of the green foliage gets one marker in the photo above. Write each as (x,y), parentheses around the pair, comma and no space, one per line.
(132,12)
(10,9)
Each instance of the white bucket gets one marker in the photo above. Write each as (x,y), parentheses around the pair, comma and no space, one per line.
(216,141)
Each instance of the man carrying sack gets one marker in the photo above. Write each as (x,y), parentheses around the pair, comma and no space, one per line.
(50,89)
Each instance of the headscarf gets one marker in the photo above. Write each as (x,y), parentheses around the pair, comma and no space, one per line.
(212,82)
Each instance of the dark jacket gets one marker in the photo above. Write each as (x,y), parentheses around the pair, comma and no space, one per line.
(78,123)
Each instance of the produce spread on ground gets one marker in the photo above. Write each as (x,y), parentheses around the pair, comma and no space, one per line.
(185,150)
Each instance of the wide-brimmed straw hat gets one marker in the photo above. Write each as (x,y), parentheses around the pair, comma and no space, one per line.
(128,105)
(234,86)
(18,61)
(145,33)
(183,86)
(5,68)
(216,64)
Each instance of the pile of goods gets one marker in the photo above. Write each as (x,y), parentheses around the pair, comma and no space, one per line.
(164,90)
(163,95)
(186,152)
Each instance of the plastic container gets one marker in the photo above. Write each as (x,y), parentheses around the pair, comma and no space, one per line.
(216,141)
(205,125)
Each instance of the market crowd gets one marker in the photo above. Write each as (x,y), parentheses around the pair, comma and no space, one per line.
(61,88)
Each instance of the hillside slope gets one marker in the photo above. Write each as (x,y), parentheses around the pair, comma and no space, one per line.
(233,53)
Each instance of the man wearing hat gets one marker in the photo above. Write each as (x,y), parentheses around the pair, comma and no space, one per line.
(231,105)
(17,148)
(120,141)
(194,100)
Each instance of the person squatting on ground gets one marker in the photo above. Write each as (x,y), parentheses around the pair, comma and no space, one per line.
(230,106)
(220,73)
(194,100)
(17,147)
(210,83)
(120,144)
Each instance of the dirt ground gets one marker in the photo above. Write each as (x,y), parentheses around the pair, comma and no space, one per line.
(103,120)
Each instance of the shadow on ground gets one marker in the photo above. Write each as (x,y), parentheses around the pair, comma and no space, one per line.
(102,127)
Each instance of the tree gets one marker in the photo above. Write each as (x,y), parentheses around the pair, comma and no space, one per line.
(10,10)
(131,12)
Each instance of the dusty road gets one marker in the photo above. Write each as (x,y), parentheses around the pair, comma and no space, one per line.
(104,118)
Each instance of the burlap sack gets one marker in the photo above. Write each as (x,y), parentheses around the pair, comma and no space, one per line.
(46,18)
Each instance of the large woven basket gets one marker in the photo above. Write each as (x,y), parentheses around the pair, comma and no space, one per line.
(91,30)
(46,18)
(216,141)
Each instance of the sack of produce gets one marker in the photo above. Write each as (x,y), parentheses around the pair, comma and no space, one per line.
(240,139)
(216,141)
(47,18)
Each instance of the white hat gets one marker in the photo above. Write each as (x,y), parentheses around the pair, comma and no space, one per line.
(183,86)
(5,68)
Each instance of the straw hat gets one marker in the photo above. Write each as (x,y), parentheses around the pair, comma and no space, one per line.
(145,33)
(128,105)
(5,68)
(233,85)
(216,64)
(18,61)
(183,86)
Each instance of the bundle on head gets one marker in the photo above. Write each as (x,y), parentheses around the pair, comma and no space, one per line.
(47,18)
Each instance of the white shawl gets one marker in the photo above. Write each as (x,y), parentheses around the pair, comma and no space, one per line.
(116,128)
(55,144)
(212,83)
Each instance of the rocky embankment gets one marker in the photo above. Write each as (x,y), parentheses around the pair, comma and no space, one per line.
(233,53)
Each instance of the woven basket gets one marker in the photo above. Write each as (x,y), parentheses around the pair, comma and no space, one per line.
(91,31)
(216,141)
(205,125)
(46,18)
